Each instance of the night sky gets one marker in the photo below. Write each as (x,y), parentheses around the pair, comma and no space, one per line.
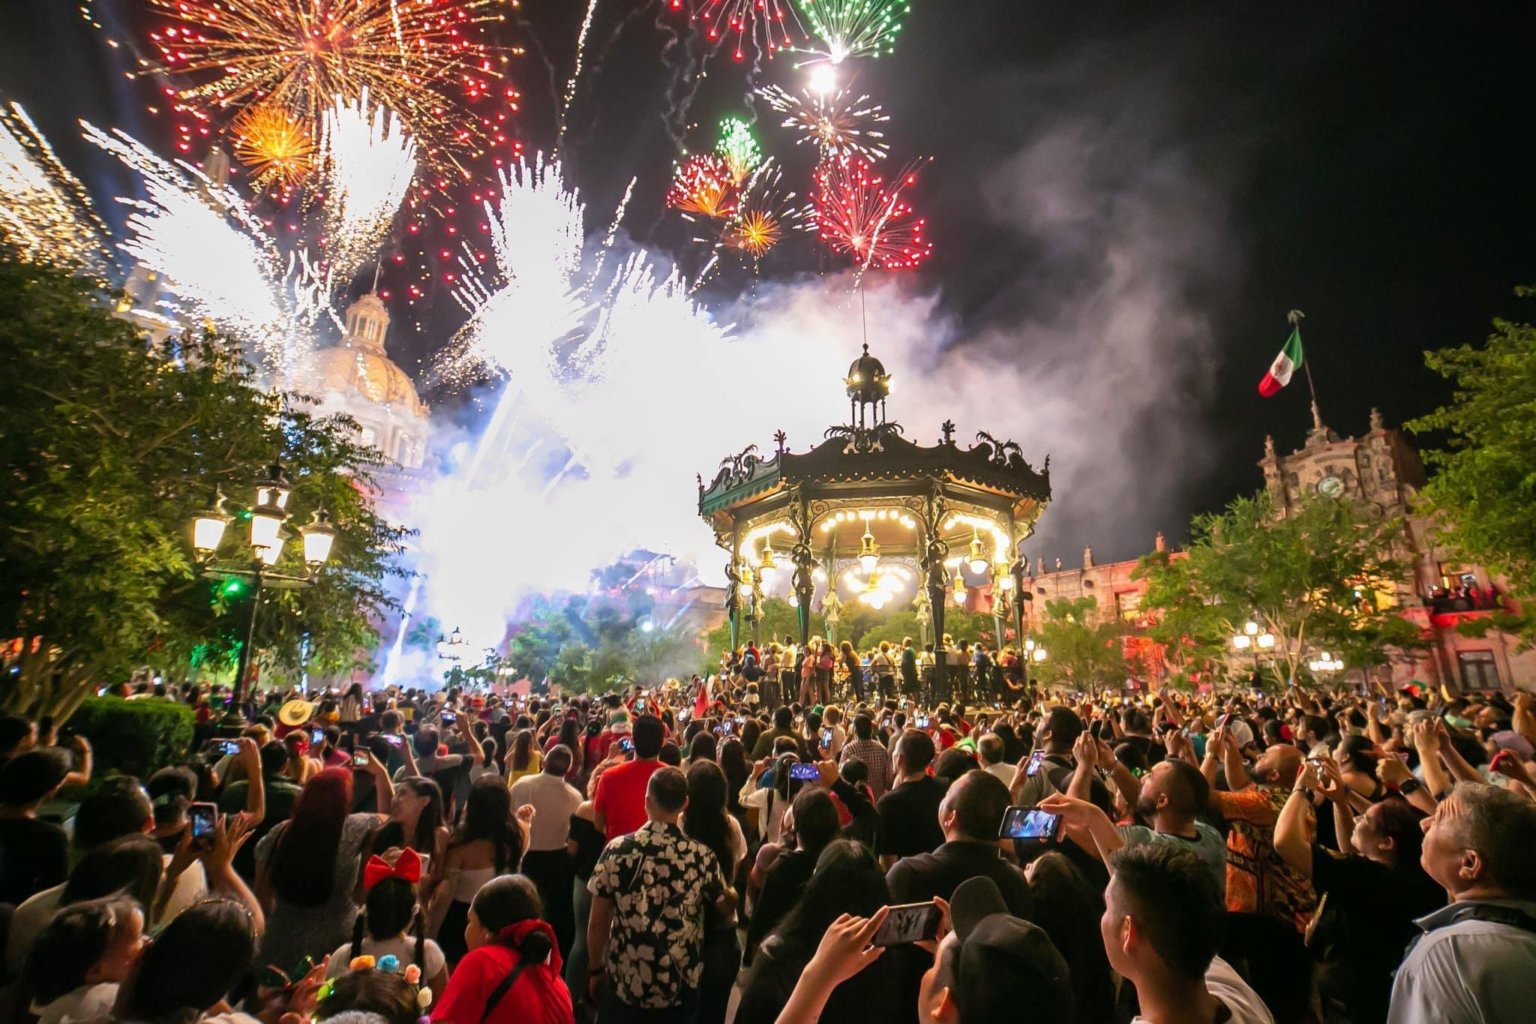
(1370,164)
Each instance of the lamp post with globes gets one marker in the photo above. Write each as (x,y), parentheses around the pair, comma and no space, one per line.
(1324,666)
(451,649)
(1253,639)
(258,555)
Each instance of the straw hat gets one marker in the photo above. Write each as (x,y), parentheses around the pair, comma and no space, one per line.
(295,713)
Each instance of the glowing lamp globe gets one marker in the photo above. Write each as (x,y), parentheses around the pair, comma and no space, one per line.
(273,489)
(319,536)
(269,554)
(208,531)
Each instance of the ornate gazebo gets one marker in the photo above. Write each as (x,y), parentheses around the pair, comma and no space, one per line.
(869,510)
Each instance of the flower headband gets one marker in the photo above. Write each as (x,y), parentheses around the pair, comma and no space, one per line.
(389,964)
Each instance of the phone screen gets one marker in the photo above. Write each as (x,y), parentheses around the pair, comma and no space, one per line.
(826,737)
(920,722)
(360,759)
(449,718)
(317,737)
(804,773)
(203,818)
(1029,823)
(626,744)
(910,922)
(639,707)
(1033,767)
(725,727)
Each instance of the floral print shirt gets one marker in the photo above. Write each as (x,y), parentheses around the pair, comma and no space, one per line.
(660,882)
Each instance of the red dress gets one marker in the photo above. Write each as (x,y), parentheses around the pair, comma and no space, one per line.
(539,995)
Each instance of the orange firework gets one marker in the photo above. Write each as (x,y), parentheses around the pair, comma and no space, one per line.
(279,150)
(703,185)
(419,58)
(754,232)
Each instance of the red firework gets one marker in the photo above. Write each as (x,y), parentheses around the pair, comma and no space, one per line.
(857,213)
(703,185)
(769,24)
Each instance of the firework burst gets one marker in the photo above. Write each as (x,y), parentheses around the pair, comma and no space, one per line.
(857,213)
(217,259)
(855,28)
(765,215)
(840,125)
(368,168)
(416,57)
(739,149)
(703,185)
(279,150)
(44,210)
(769,25)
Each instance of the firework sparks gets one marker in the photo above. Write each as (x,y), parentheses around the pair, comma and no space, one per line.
(739,149)
(855,212)
(279,150)
(770,25)
(703,185)
(44,210)
(855,28)
(216,257)
(368,167)
(838,124)
(416,57)
(766,214)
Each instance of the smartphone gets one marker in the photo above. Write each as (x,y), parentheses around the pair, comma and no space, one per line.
(204,819)
(920,722)
(222,748)
(627,745)
(1029,823)
(804,773)
(360,759)
(448,717)
(1226,720)
(1035,761)
(826,737)
(724,728)
(317,737)
(393,740)
(909,922)
(639,707)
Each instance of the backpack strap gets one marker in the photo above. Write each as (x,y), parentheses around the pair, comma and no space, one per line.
(502,989)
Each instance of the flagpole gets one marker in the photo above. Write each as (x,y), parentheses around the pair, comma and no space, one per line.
(1294,317)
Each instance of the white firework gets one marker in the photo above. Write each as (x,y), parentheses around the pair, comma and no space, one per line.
(368,162)
(217,259)
(839,123)
(44,210)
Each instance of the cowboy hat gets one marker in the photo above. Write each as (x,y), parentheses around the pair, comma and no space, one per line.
(295,713)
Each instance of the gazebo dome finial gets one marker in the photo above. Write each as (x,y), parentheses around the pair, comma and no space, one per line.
(867,381)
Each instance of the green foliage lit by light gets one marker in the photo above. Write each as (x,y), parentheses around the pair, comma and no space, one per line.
(1484,483)
(739,148)
(855,28)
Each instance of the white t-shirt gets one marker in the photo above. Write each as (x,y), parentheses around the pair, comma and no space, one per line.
(402,948)
(88,1004)
(1228,986)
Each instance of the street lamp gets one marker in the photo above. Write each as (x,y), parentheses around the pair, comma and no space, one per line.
(1253,640)
(1325,665)
(264,548)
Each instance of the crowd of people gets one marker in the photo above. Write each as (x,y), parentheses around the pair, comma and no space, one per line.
(706,853)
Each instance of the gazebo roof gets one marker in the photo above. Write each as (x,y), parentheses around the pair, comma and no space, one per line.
(874,452)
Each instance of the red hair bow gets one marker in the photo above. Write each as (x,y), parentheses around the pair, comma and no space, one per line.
(407,866)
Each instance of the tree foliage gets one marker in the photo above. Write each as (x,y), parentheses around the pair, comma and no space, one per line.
(1320,578)
(1084,649)
(1483,487)
(110,447)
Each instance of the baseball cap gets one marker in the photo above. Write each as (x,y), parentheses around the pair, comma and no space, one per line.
(1003,962)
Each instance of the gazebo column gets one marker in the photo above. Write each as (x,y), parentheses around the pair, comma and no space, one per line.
(936,579)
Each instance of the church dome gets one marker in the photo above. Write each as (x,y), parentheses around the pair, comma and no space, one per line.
(359,366)
(867,380)
(367,372)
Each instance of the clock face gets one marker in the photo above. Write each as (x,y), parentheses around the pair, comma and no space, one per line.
(1330,487)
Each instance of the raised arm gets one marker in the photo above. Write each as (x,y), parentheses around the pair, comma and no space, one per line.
(1291,842)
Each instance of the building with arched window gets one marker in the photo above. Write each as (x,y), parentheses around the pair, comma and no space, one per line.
(357,377)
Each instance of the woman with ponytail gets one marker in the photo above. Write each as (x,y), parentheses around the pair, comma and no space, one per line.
(391,923)
(511,974)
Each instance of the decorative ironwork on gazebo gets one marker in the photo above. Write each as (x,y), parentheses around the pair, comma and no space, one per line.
(878,512)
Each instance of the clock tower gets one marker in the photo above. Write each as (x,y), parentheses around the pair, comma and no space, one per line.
(1378,468)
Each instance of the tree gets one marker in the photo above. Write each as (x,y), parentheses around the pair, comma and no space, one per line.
(110,447)
(780,619)
(1083,650)
(1320,578)
(1484,482)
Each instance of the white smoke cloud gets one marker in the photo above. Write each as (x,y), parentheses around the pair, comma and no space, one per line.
(1099,352)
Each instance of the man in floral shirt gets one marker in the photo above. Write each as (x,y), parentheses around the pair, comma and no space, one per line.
(650,892)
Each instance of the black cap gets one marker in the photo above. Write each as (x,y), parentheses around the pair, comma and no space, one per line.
(1004,962)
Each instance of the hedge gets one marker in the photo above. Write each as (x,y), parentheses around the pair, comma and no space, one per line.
(135,736)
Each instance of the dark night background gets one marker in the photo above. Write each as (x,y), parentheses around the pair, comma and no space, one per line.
(1367,163)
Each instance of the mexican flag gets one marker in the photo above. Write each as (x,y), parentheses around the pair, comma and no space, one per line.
(1285,364)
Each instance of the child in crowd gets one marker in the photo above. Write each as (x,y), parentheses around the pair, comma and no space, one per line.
(80,958)
(390,908)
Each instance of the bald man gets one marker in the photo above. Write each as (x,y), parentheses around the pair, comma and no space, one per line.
(1258,881)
